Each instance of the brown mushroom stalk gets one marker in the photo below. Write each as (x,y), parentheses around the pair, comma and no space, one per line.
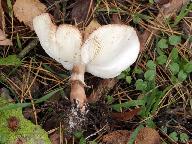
(77,94)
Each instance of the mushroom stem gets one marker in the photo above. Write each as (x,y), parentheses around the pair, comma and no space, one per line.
(77,94)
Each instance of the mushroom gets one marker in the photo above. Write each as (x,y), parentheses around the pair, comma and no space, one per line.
(110,49)
(105,53)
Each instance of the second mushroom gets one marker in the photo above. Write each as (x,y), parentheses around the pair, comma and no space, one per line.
(106,52)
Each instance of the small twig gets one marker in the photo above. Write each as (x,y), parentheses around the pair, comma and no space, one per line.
(29,47)
(96,132)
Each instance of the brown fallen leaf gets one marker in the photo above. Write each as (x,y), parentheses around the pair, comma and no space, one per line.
(125,116)
(81,11)
(55,138)
(116,19)
(145,136)
(26,10)
(3,40)
(116,137)
(90,28)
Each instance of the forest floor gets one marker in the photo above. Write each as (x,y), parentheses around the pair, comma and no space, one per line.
(155,92)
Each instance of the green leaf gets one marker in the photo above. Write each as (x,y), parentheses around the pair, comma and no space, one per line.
(128,104)
(109,99)
(121,76)
(82,140)
(174,67)
(162,43)
(174,79)
(141,85)
(134,134)
(10,106)
(174,40)
(10,8)
(47,96)
(78,134)
(3,138)
(173,136)
(182,76)
(145,17)
(128,79)
(150,123)
(10,60)
(151,64)
(22,105)
(138,70)
(184,11)
(162,59)
(164,129)
(150,75)
(128,70)
(174,54)
(136,18)
(188,67)
(151,1)
(19,42)
(184,137)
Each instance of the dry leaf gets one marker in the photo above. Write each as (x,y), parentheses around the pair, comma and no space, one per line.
(3,39)
(145,136)
(90,28)
(116,19)
(116,137)
(82,10)
(125,116)
(26,10)
(55,138)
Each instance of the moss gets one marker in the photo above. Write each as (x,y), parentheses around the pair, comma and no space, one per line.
(26,131)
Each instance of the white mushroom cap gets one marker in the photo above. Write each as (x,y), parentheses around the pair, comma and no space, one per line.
(61,43)
(110,49)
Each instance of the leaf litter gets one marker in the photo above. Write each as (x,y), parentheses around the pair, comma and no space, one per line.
(100,115)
